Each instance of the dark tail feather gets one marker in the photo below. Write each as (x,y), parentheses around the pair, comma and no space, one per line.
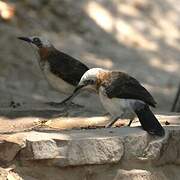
(149,122)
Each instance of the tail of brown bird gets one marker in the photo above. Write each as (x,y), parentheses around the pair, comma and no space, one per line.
(149,122)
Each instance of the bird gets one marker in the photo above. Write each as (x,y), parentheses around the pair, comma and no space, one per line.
(62,71)
(122,96)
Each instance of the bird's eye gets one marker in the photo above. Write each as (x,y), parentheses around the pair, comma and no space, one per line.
(36,40)
(90,81)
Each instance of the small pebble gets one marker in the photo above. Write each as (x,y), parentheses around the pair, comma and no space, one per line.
(14,105)
(167,123)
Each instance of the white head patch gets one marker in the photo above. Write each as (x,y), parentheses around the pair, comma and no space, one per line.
(91,74)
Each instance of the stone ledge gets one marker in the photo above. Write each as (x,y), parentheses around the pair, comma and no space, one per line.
(95,146)
(112,153)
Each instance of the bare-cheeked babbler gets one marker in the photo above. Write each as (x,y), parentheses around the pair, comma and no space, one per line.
(122,96)
(62,71)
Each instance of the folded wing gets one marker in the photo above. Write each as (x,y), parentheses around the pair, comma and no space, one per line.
(126,87)
(72,68)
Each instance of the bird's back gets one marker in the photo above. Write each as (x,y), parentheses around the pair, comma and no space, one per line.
(66,67)
(121,85)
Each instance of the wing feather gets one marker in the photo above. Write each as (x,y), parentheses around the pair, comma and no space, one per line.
(66,67)
(124,86)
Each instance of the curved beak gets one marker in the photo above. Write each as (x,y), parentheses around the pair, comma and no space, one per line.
(78,89)
(25,39)
(74,94)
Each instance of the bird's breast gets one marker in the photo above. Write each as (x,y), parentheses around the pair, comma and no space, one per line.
(116,106)
(56,82)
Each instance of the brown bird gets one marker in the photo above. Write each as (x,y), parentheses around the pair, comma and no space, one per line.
(122,96)
(62,71)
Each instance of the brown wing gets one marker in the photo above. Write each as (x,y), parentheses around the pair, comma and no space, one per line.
(124,86)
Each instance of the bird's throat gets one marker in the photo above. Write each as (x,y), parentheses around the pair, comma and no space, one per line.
(44,52)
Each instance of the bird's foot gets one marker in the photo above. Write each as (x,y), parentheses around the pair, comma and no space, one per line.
(64,114)
(55,104)
(109,125)
(106,114)
(64,104)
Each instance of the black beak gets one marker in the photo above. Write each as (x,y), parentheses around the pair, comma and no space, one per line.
(25,39)
(78,88)
(74,94)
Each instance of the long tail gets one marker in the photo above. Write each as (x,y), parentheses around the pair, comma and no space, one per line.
(149,122)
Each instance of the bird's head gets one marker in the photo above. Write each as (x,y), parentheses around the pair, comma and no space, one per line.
(38,41)
(91,80)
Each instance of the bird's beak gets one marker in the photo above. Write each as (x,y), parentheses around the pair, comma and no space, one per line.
(78,88)
(74,94)
(25,39)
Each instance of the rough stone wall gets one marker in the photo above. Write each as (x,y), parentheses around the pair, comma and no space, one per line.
(140,37)
(116,153)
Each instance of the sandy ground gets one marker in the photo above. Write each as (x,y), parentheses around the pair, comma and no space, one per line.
(139,37)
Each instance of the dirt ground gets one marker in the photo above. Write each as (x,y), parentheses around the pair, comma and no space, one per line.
(139,37)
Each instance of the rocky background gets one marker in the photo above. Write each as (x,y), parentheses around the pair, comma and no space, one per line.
(139,37)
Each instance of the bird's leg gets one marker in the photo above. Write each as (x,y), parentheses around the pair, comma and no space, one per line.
(68,101)
(132,117)
(129,124)
(112,122)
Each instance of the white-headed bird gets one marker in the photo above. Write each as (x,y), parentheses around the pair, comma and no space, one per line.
(121,95)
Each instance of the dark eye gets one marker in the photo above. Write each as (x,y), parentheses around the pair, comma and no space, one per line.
(90,81)
(36,40)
